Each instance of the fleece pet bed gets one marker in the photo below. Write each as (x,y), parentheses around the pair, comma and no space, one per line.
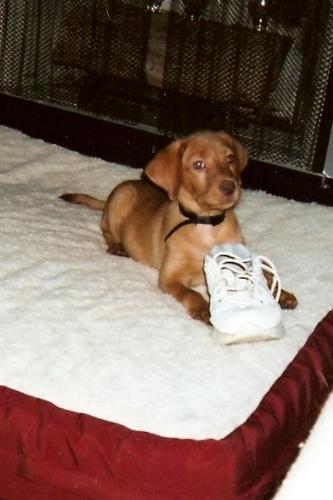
(109,389)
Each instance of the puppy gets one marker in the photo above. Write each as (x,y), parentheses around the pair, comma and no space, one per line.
(177,212)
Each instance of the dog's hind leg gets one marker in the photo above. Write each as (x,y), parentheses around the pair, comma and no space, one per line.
(113,247)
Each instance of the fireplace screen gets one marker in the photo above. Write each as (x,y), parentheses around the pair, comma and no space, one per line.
(257,68)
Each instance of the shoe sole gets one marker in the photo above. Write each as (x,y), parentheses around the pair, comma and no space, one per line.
(249,333)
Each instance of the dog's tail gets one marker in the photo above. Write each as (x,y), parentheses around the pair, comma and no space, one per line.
(83,199)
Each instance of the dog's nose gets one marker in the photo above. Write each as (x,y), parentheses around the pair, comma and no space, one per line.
(228,187)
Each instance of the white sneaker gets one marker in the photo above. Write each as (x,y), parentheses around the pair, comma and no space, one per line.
(242,307)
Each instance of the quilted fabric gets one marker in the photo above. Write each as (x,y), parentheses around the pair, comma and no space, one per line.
(48,452)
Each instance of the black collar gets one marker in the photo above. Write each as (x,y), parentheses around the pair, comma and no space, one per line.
(192,218)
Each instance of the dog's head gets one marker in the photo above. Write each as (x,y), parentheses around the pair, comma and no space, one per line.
(201,171)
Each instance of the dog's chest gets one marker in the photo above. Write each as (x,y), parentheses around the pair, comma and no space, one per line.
(206,237)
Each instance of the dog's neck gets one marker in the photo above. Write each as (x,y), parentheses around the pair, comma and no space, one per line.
(212,220)
(192,218)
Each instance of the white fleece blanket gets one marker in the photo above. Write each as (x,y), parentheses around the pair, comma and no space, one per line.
(91,332)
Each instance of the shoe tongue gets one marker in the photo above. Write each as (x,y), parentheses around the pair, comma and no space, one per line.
(241,251)
(237,249)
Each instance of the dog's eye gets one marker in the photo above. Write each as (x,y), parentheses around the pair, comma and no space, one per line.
(199,165)
(230,159)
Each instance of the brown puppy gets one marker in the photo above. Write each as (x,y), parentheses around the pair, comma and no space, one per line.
(181,208)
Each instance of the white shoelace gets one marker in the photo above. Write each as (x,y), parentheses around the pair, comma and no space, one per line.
(268,266)
(243,273)
(240,280)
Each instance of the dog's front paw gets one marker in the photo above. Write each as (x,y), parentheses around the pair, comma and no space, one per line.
(195,304)
(287,300)
(201,312)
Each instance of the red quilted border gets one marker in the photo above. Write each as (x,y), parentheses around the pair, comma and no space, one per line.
(50,453)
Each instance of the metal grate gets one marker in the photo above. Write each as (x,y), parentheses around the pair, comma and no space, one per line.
(260,73)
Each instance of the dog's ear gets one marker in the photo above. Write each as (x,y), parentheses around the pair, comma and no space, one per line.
(241,155)
(238,149)
(164,169)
